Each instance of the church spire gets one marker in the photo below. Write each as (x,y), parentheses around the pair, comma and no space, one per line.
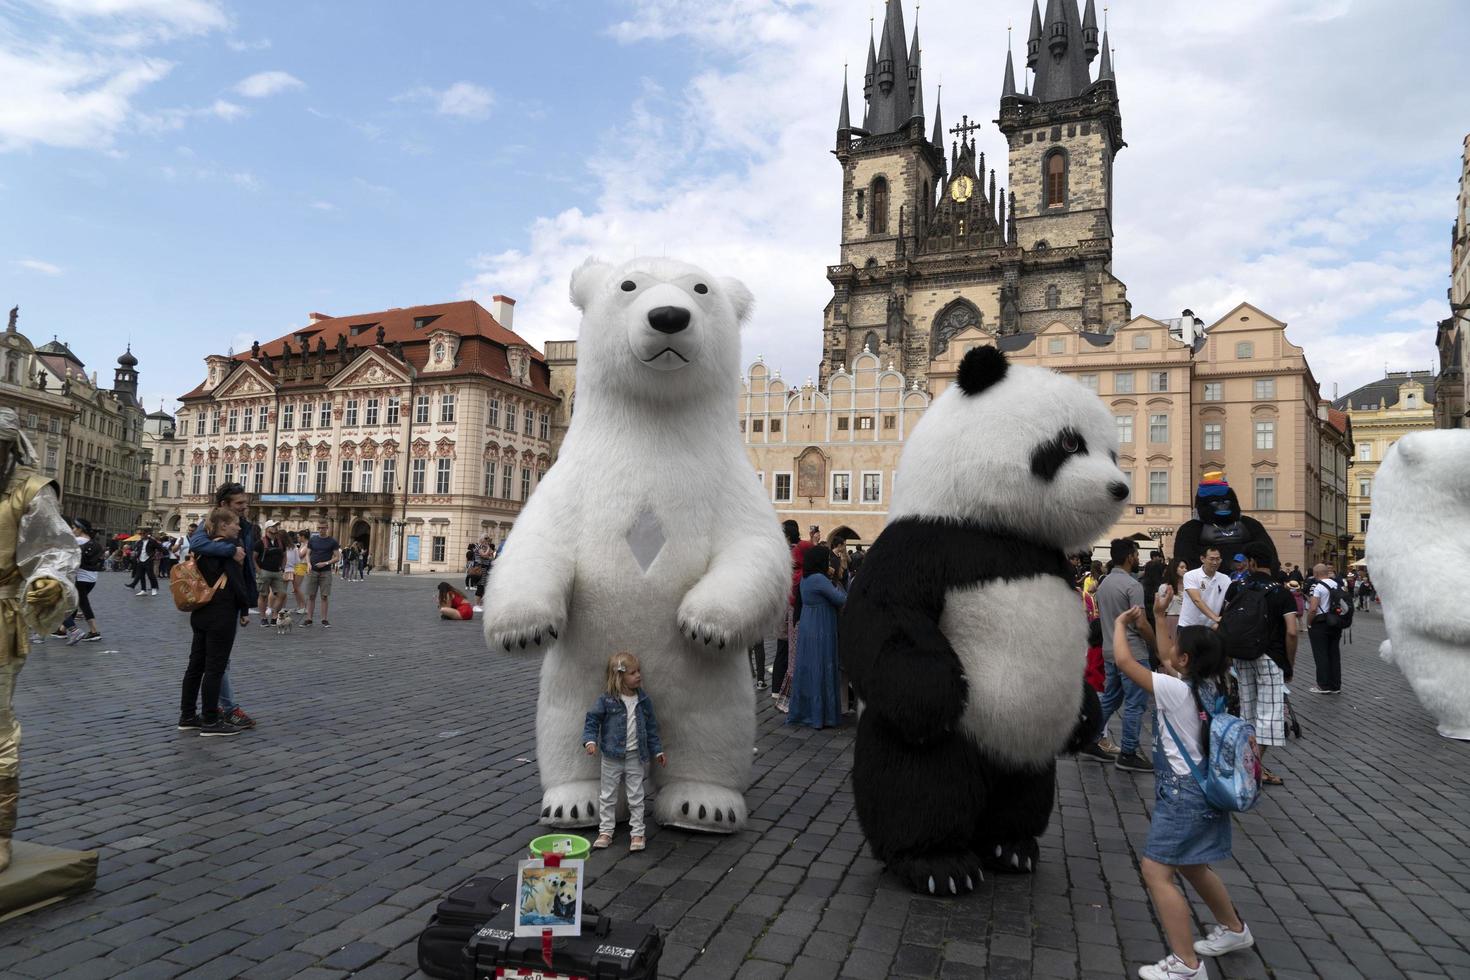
(916,76)
(891,107)
(844,122)
(1089,31)
(1061,70)
(1105,69)
(939,123)
(1033,40)
(1008,87)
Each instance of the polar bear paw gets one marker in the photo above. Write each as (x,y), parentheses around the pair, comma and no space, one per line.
(700,806)
(570,805)
(945,874)
(708,624)
(517,623)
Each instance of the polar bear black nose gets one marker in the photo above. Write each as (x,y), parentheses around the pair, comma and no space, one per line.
(1119,490)
(668,319)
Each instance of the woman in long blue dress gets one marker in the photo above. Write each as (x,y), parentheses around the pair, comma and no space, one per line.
(816,684)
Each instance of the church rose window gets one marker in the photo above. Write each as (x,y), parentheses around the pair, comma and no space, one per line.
(950,322)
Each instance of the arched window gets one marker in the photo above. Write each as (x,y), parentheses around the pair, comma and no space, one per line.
(870,342)
(10,366)
(878,211)
(1053,297)
(1056,180)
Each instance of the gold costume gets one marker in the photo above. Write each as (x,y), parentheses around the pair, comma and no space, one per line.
(38,563)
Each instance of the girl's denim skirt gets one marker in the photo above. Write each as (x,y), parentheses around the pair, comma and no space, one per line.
(1185,829)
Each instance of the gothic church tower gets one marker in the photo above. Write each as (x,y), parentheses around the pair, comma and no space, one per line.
(929,247)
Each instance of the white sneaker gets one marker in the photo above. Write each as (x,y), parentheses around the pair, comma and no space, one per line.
(478,608)
(153,592)
(1221,941)
(141,592)
(1172,967)
(74,636)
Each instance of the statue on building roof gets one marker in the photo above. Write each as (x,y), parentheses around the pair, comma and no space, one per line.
(267,363)
(14,316)
(398,351)
(321,345)
(255,350)
(341,345)
(286,350)
(381,334)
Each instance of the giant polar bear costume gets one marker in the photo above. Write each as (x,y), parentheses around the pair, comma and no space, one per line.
(650,534)
(1421,529)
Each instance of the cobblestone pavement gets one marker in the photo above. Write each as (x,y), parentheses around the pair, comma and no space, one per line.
(393,761)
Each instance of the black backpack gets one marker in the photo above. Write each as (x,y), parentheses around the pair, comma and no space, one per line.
(92,557)
(1339,612)
(1245,623)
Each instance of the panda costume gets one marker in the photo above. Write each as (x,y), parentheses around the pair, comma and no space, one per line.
(1218,523)
(964,636)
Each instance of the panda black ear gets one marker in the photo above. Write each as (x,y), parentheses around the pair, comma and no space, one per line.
(981,368)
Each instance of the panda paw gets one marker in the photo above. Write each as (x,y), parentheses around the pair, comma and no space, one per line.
(1012,857)
(943,875)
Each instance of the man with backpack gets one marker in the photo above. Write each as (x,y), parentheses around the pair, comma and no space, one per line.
(1258,631)
(1329,612)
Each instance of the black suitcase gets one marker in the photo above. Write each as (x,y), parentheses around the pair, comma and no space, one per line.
(604,951)
(466,909)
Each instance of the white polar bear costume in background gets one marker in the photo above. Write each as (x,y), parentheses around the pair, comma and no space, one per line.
(649,534)
(1421,529)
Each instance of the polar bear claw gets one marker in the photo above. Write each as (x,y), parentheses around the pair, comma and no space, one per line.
(570,805)
(700,806)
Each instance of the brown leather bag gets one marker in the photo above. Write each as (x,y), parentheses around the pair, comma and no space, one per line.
(188,587)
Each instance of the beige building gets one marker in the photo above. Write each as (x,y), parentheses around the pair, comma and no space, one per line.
(413,432)
(166,473)
(1454,349)
(89,438)
(1382,412)
(1235,396)
(46,414)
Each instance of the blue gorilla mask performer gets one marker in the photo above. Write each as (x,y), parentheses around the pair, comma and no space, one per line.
(1218,524)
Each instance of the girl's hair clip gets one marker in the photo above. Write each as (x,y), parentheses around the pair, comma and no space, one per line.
(622,668)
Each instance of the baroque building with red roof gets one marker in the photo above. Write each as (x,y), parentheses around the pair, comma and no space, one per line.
(413,432)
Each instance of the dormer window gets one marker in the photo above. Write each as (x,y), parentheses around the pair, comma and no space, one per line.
(1409,400)
(438,352)
(362,328)
(420,322)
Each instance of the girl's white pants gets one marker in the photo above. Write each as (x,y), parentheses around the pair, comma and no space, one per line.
(629,770)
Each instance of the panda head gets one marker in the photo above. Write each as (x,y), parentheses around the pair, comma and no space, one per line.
(1017,450)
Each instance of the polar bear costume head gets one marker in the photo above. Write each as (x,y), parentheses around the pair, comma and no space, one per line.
(1015,449)
(658,329)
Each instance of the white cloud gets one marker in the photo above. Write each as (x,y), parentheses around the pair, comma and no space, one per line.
(1250,172)
(134,22)
(235,44)
(55,97)
(322,206)
(243,179)
(167,120)
(267,83)
(463,99)
(36,265)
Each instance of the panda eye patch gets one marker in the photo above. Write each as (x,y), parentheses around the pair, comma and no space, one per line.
(629,285)
(1048,458)
(701,288)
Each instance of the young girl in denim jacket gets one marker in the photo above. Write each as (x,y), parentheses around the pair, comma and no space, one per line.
(1186,834)
(622,726)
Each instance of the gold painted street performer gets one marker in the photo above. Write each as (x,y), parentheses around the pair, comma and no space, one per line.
(38,566)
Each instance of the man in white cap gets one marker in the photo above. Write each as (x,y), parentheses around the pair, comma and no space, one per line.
(38,565)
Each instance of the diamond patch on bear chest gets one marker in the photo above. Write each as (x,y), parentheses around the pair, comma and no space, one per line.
(645,539)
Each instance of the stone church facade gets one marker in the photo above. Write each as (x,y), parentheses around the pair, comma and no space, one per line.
(930,247)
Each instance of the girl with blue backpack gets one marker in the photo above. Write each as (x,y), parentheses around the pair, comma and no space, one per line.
(1190,828)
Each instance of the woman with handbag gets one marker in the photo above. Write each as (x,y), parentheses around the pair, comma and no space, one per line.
(214,625)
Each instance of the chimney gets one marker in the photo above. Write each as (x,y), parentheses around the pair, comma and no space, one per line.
(314,317)
(503,309)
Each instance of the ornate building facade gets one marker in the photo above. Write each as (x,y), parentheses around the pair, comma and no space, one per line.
(1454,350)
(1382,413)
(89,438)
(166,473)
(412,432)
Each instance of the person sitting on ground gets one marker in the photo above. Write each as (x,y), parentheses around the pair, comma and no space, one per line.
(453,604)
(1186,834)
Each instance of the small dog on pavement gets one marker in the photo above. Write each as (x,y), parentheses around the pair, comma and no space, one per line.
(284,622)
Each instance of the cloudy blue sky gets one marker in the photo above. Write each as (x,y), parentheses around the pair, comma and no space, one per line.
(190,175)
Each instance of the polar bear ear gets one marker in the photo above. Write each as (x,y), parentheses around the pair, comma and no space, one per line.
(587,279)
(740,298)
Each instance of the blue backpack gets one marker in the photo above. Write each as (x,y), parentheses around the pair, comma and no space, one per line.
(1231,777)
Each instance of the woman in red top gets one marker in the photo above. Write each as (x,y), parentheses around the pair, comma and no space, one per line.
(452,604)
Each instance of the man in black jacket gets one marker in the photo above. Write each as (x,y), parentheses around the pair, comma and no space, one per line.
(233,496)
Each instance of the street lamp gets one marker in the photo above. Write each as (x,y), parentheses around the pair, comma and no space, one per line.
(398,527)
